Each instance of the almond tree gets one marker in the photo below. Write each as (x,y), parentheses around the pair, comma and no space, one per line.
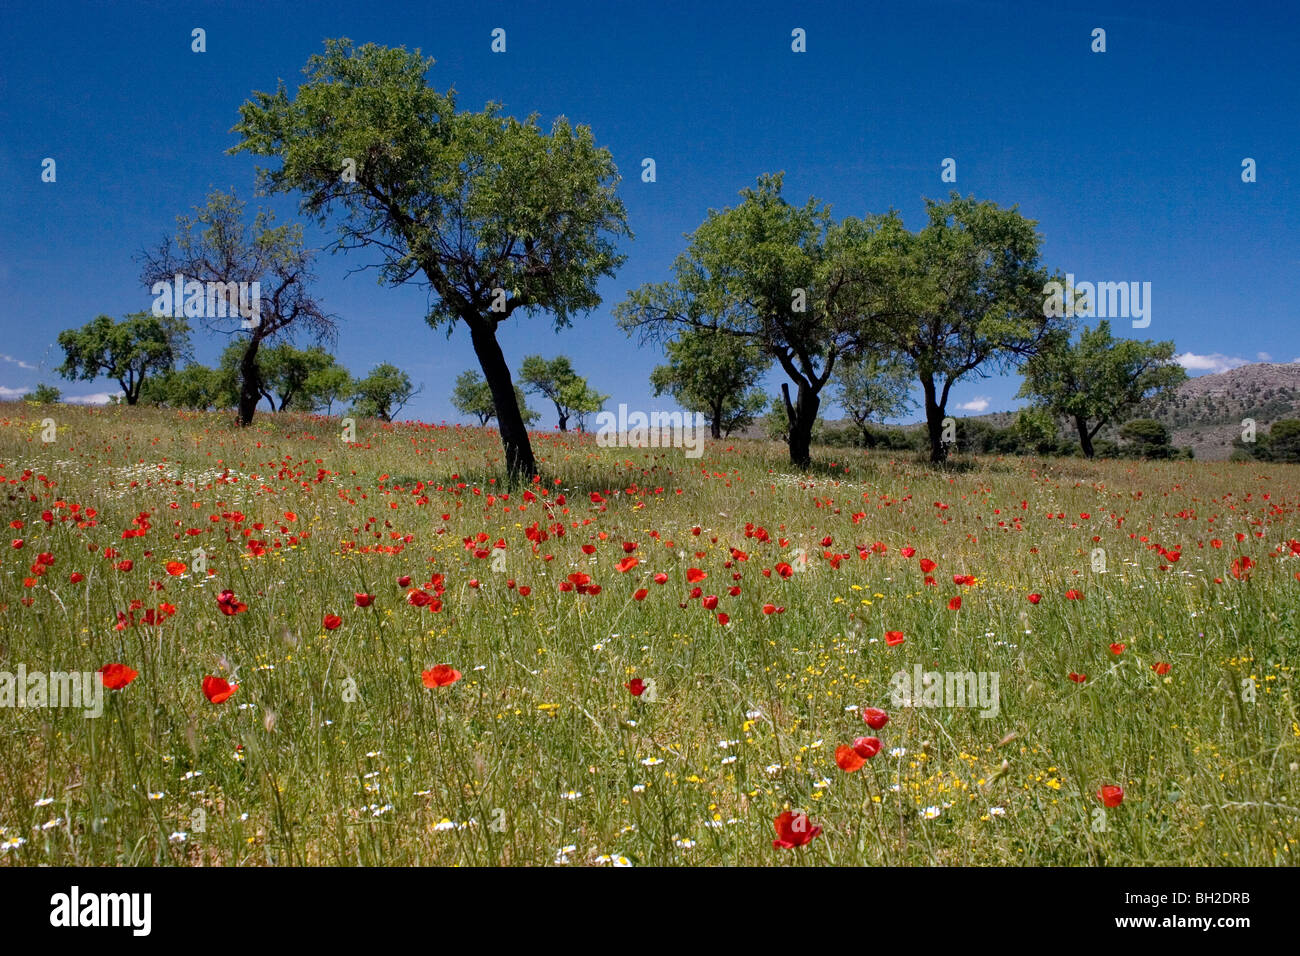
(492,215)
(1098,379)
(215,246)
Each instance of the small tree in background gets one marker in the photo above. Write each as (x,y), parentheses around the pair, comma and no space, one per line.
(472,396)
(715,374)
(871,390)
(216,246)
(567,390)
(43,395)
(193,387)
(1099,379)
(383,392)
(129,351)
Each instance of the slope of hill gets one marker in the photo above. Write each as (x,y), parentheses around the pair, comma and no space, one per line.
(1206,412)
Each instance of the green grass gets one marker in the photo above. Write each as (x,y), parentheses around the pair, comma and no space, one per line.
(540,744)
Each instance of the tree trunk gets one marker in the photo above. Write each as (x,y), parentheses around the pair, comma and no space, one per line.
(510,421)
(250,384)
(934,415)
(1085,440)
(715,427)
(802,414)
(564,419)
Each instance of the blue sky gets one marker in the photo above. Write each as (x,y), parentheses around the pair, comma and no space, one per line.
(1130,160)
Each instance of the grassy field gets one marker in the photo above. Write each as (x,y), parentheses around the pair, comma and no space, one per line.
(333,751)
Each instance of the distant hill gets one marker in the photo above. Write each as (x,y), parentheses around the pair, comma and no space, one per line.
(1206,412)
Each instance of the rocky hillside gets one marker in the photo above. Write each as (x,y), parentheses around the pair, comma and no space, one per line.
(1206,412)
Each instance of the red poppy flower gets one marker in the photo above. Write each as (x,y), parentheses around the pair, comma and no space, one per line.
(440,676)
(404,581)
(1073,595)
(363,600)
(907,552)
(847,759)
(1033,598)
(1111,795)
(117,676)
(1078,678)
(894,638)
(769,608)
(866,747)
(927,565)
(875,717)
(710,602)
(794,829)
(627,564)
(955,604)
(963,579)
(1161,668)
(525,590)
(635,687)
(1117,649)
(175,568)
(217,689)
(661,578)
(640,594)
(723,619)
(332,622)
(76,577)
(229,605)
(1241,568)
(695,575)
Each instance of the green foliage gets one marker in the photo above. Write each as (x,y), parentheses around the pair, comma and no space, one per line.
(1280,443)
(715,374)
(1036,429)
(567,390)
(194,387)
(383,392)
(304,379)
(1148,438)
(497,214)
(43,394)
(869,389)
(129,351)
(472,396)
(1099,379)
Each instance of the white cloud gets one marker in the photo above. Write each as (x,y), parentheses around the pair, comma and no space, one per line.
(95,398)
(975,405)
(12,393)
(1214,362)
(19,362)
(1263,356)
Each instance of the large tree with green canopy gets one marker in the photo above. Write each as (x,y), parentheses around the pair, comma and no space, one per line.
(782,278)
(496,215)
(966,297)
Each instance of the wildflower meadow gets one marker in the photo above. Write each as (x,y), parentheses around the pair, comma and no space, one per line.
(378,651)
